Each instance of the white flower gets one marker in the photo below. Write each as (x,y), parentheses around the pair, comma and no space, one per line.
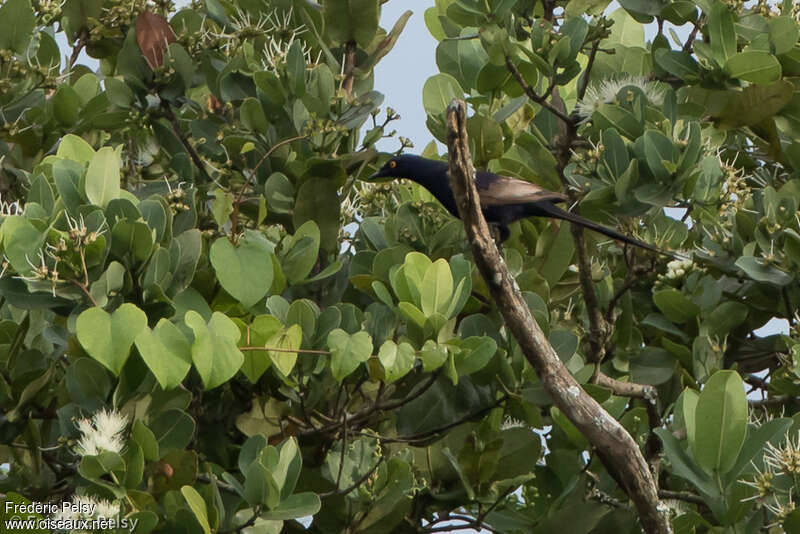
(606,92)
(102,433)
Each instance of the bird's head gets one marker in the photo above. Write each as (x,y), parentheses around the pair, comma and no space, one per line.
(402,166)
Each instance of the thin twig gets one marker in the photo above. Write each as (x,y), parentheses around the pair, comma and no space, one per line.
(355,484)
(176,127)
(532,94)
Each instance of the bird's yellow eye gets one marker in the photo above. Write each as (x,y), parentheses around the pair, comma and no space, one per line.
(392,164)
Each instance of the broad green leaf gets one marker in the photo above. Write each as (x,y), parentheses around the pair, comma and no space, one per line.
(756,269)
(17,21)
(755,103)
(675,306)
(754,444)
(487,137)
(288,341)
(433,355)
(279,193)
(102,177)
(614,116)
(222,206)
(436,288)
(679,64)
(145,438)
(66,105)
(397,360)
(297,505)
(722,32)
(754,66)
(173,430)
(783,34)
(131,241)
(348,351)
(475,352)
(244,271)
(290,463)
(261,331)
(683,466)
(438,91)
(198,507)
(167,353)
(302,251)
(351,20)
(721,422)
(108,337)
(615,154)
(726,317)
(21,243)
(214,351)
(318,201)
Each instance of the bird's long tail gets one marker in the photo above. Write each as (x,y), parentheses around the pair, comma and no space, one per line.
(554,211)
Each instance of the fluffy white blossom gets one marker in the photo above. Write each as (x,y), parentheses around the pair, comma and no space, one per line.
(606,92)
(103,432)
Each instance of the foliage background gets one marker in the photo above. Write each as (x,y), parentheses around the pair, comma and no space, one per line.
(173,249)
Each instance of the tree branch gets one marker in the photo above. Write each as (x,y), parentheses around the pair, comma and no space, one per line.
(176,127)
(541,100)
(615,447)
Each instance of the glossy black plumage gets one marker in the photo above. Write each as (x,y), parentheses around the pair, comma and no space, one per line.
(503,199)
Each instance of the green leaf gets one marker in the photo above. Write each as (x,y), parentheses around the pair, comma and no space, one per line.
(397,360)
(304,504)
(76,149)
(167,353)
(173,430)
(436,288)
(21,243)
(721,422)
(244,271)
(438,91)
(755,103)
(318,201)
(348,351)
(214,351)
(290,463)
(722,32)
(614,116)
(487,137)
(259,334)
(756,269)
(302,251)
(682,465)
(222,206)
(680,64)
(17,21)
(102,177)
(675,305)
(66,105)
(131,241)
(615,154)
(108,337)
(754,66)
(463,58)
(474,354)
(351,20)
(288,341)
(726,317)
(145,438)
(198,507)
(783,34)
(754,444)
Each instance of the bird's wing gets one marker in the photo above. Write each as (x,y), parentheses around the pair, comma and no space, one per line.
(498,190)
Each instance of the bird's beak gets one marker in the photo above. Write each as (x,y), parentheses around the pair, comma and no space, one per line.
(379,177)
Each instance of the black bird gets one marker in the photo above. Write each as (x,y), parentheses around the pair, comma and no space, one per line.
(503,199)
